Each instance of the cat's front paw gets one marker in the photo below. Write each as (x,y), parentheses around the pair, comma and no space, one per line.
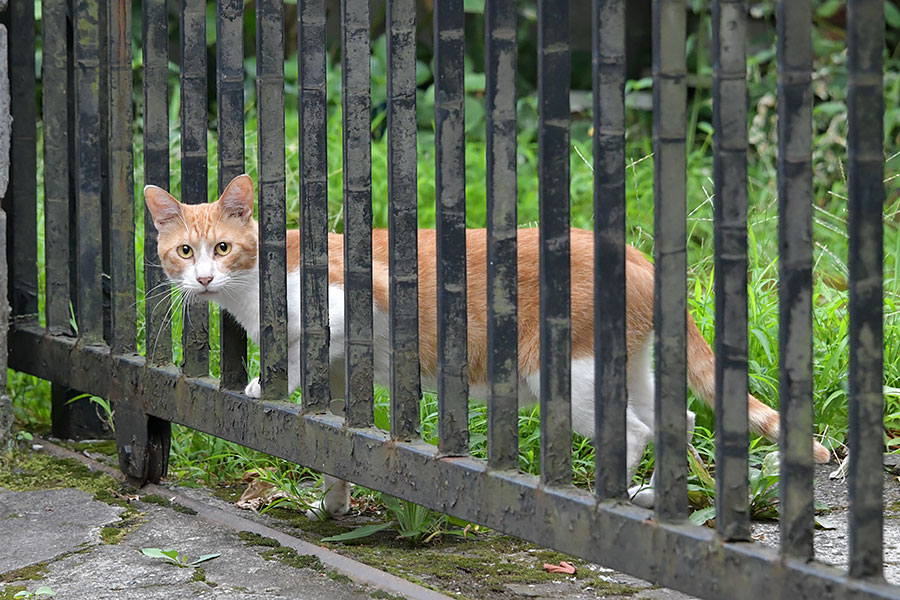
(642,495)
(253,390)
(335,502)
(321,510)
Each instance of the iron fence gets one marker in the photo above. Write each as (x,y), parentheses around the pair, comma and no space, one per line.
(89,221)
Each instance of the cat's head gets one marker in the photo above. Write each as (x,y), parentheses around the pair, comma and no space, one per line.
(207,249)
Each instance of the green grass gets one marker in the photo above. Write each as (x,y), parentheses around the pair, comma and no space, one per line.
(198,457)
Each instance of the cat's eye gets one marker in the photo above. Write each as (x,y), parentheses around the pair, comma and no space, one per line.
(185,251)
(223,248)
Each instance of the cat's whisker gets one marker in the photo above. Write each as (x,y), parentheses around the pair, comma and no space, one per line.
(160,294)
(172,297)
(167,319)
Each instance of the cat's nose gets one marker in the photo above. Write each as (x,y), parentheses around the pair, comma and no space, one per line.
(204,281)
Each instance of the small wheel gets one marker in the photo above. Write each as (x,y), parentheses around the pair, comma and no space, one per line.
(157,463)
(158,438)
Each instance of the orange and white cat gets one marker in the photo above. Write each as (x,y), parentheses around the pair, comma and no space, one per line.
(210,252)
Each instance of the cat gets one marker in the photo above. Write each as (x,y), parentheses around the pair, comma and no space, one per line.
(210,252)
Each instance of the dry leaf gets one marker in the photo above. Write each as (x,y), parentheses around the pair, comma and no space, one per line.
(563,567)
(259,493)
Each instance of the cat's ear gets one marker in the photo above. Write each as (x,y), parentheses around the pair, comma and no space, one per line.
(237,199)
(164,208)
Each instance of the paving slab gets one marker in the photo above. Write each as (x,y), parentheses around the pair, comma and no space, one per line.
(41,525)
(122,571)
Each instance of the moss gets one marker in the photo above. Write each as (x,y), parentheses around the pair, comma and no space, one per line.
(227,493)
(254,539)
(290,557)
(106,447)
(200,575)
(160,501)
(338,577)
(9,592)
(317,528)
(116,532)
(27,471)
(181,508)
(112,535)
(31,572)
(156,499)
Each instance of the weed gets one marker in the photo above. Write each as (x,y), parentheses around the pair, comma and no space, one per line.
(177,558)
(41,592)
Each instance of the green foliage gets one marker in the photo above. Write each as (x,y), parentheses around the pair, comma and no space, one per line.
(410,520)
(103,407)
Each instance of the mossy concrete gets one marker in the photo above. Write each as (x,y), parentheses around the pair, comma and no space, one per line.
(81,533)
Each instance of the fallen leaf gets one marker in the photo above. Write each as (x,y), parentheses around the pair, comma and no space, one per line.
(563,567)
(259,493)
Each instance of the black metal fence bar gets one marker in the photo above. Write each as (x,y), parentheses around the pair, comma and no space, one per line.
(609,246)
(54,78)
(195,335)
(88,271)
(121,179)
(106,233)
(273,316)
(357,147)
(21,195)
(865,142)
(230,130)
(670,287)
(155,45)
(502,256)
(313,207)
(554,69)
(450,209)
(795,274)
(402,218)
(730,169)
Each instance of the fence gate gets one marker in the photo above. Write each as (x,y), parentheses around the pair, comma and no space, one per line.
(88,212)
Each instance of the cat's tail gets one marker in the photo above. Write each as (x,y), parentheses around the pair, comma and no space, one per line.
(702,379)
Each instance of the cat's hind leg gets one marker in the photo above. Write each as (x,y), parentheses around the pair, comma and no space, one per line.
(335,502)
(643,494)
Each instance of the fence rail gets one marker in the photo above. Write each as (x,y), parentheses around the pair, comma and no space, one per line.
(89,231)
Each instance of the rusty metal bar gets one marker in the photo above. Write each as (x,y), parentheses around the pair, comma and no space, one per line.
(865,143)
(610,350)
(121,180)
(795,265)
(54,79)
(155,46)
(357,148)
(450,209)
(622,536)
(230,130)
(402,218)
(554,70)
(195,334)
(273,314)
(729,39)
(502,254)
(314,330)
(88,220)
(670,257)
